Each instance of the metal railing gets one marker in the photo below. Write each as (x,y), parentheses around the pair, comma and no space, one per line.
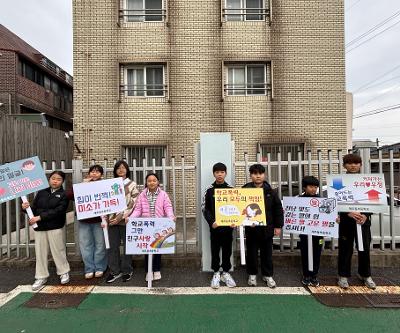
(179,180)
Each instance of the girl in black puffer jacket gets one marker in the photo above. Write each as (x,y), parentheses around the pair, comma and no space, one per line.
(49,208)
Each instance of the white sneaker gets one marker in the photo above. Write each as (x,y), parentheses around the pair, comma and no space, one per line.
(38,284)
(149,276)
(64,278)
(98,274)
(157,276)
(270,281)
(215,280)
(343,282)
(228,280)
(252,281)
(89,275)
(369,283)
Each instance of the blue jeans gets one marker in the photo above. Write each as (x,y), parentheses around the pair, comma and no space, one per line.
(93,247)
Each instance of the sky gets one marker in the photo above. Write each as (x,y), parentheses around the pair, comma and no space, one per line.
(372,66)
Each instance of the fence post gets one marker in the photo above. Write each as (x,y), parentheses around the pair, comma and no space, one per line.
(392,233)
(77,167)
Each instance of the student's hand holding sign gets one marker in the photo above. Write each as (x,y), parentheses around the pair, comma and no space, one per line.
(34,220)
(358,217)
(25,205)
(277,232)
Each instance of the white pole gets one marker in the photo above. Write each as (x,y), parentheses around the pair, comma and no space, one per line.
(310,253)
(242,253)
(28,210)
(360,238)
(105,231)
(149,271)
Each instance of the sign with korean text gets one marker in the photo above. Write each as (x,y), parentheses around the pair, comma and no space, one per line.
(310,216)
(150,236)
(239,206)
(358,192)
(21,178)
(99,198)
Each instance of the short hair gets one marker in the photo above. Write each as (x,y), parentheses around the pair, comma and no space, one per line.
(352,159)
(96,167)
(117,165)
(219,167)
(60,173)
(309,181)
(256,168)
(151,174)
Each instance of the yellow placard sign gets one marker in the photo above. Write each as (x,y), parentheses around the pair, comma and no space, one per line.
(239,206)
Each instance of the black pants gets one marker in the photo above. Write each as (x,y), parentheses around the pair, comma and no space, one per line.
(156,262)
(347,234)
(118,263)
(258,239)
(221,238)
(317,242)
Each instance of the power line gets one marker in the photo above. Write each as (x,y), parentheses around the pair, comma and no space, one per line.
(351,6)
(380,24)
(380,83)
(376,79)
(376,111)
(380,96)
(379,33)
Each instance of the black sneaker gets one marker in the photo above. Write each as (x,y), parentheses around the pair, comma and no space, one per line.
(127,277)
(111,278)
(314,282)
(306,281)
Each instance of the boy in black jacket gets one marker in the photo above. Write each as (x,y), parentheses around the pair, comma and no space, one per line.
(348,232)
(260,237)
(310,186)
(221,237)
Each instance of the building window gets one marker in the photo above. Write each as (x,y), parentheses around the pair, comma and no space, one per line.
(284,148)
(144,80)
(142,11)
(139,153)
(245,10)
(247,79)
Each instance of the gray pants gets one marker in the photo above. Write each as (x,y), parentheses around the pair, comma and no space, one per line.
(118,263)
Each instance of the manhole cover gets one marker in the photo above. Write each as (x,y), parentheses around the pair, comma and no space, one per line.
(386,295)
(55,301)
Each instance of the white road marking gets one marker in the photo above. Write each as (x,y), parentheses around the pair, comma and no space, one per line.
(6,297)
(201,291)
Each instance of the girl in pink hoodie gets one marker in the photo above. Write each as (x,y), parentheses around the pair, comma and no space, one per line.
(153,202)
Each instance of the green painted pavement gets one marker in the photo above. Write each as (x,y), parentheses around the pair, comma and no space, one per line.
(200,313)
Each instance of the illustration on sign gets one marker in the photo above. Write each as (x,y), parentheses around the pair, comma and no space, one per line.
(239,206)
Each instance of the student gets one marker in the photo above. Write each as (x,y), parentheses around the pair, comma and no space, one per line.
(260,237)
(221,237)
(121,265)
(310,186)
(348,232)
(91,236)
(49,208)
(153,202)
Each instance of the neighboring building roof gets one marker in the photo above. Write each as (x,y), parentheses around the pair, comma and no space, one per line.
(395,147)
(11,42)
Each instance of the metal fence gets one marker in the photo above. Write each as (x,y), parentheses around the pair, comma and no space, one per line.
(179,180)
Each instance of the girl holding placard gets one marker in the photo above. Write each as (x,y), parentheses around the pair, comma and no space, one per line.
(153,202)
(121,265)
(49,208)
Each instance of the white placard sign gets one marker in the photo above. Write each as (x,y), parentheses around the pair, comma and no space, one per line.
(148,235)
(99,198)
(358,192)
(310,216)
